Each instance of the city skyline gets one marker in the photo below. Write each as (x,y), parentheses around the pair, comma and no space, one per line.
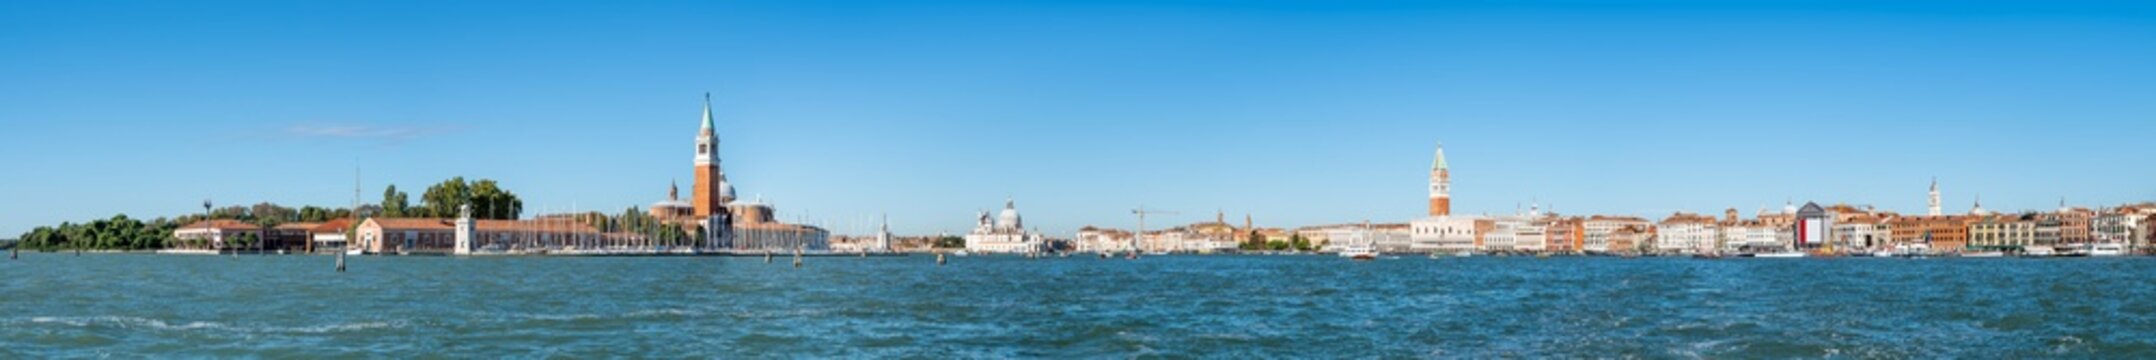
(1292,119)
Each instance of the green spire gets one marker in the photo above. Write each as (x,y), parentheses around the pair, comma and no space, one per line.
(707,110)
(1439,164)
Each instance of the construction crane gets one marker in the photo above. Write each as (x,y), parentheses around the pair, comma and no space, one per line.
(1140,235)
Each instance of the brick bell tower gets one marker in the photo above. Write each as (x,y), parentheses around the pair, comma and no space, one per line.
(1440,185)
(710,194)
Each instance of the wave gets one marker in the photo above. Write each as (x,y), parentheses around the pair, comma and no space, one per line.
(130,322)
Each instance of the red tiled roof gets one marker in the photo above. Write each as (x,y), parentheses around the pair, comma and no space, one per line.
(413,223)
(332,226)
(223,224)
(303,226)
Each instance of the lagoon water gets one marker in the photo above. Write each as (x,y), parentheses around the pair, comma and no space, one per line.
(59,305)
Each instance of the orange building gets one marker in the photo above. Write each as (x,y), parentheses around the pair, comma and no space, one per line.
(1946,233)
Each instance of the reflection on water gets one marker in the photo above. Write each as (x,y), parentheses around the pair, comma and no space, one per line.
(987,307)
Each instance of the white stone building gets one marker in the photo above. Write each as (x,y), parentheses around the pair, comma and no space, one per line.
(1004,234)
(1599,228)
(1442,234)
(1686,233)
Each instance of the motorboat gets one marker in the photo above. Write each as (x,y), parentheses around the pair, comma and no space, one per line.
(1983,254)
(1781,254)
(2038,251)
(1359,253)
(2107,249)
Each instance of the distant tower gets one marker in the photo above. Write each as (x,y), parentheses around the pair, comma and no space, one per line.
(883,234)
(711,193)
(1730,215)
(1935,197)
(1440,185)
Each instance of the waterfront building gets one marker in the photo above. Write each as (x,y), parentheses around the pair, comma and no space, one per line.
(1100,240)
(1948,233)
(1630,239)
(290,237)
(1203,237)
(1440,234)
(1687,233)
(407,236)
(1391,238)
(1006,233)
(1518,232)
(2119,227)
(330,235)
(1864,231)
(1812,226)
(1563,234)
(213,235)
(2002,232)
(1750,235)
(1599,228)
(754,230)
(2073,223)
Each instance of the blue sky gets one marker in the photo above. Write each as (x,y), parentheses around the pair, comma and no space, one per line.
(1294,112)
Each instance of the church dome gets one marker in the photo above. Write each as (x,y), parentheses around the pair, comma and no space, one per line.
(726,191)
(1009,218)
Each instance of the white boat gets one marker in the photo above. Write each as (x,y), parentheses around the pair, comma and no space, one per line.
(1359,253)
(1783,254)
(1883,253)
(1361,250)
(2107,249)
(2038,251)
(1912,250)
(1464,253)
(1983,254)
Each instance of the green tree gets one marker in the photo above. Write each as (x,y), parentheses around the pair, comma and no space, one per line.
(950,242)
(490,201)
(443,199)
(394,203)
(1300,243)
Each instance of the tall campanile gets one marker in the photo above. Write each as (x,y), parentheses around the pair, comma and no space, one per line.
(1440,185)
(709,197)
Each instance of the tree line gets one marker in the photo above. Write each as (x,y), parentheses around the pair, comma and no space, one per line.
(120,232)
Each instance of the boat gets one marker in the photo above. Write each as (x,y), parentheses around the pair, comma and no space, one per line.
(2038,251)
(1983,254)
(2107,249)
(1359,253)
(1361,250)
(1912,250)
(1464,253)
(1781,254)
